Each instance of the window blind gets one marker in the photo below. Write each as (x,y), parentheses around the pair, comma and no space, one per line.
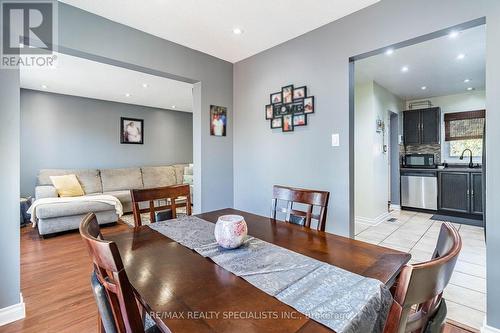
(464,125)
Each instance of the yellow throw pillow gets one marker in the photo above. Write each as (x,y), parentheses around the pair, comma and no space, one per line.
(67,186)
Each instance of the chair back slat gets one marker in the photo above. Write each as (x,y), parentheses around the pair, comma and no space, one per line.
(168,194)
(110,272)
(422,285)
(309,198)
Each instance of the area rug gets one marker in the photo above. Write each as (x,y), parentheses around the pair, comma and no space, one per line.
(129,217)
(456,219)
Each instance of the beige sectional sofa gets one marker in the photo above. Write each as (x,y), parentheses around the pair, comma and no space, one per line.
(57,217)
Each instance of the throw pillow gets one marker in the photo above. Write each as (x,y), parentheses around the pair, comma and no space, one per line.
(67,186)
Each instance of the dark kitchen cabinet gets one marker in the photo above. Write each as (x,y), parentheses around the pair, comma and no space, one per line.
(453,191)
(460,192)
(476,180)
(422,126)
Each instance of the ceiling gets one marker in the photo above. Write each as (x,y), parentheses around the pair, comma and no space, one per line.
(207,26)
(85,78)
(432,64)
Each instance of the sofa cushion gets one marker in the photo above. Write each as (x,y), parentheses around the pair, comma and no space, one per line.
(89,178)
(124,196)
(67,186)
(179,172)
(121,179)
(51,210)
(159,176)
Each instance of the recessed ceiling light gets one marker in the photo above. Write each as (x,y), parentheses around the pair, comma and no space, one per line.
(423,87)
(466,80)
(389,51)
(237,31)
(173,106)
(470,88)
(127,95)
(145,85)
(44,86)
(453,34)
(404,69)
(460,56)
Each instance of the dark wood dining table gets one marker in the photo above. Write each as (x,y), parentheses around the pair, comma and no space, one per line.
(186,292)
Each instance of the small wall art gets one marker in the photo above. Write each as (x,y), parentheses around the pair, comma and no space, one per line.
(289,108)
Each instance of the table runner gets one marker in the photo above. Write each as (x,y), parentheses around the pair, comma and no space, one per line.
(339,299)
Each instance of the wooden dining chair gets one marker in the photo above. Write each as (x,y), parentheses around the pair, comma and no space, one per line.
(308,198)
(168,195)
(110,273)
(419,287)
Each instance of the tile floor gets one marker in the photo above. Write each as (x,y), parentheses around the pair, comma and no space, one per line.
(417,234)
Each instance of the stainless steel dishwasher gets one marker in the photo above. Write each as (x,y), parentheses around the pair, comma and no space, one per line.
(419,189)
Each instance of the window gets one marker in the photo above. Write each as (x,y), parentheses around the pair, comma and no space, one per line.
(458,146)
(464,130)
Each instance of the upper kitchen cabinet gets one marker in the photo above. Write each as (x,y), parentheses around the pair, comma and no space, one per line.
(422,126)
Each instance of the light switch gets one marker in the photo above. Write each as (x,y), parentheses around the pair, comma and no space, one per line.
(335,140)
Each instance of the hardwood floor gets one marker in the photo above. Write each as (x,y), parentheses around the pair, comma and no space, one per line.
(55,283)
(55,274)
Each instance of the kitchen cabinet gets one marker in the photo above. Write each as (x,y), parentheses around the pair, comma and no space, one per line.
(460,192)
(476,193)
(422,126)
(454,191)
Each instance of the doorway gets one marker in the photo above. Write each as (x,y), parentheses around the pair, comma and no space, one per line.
(431,82)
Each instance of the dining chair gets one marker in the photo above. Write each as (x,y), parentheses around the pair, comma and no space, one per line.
(168,198)
(308,198)
(118,308)
(419,287)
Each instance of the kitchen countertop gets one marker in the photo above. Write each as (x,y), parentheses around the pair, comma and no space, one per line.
(449,169)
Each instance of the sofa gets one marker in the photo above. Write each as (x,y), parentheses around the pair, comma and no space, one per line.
(58,217)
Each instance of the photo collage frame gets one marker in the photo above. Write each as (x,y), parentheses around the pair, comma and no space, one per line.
(289,108)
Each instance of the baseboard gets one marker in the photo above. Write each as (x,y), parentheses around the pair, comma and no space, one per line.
(488,329)
(374,221)
(395,207)
(13,312)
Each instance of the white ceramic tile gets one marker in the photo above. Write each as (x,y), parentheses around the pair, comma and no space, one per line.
(468,281)
(396,246)
(360,227)
(466,297)
(471,269)
(465,315)
(373,235)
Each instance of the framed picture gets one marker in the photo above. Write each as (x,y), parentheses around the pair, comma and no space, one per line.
(287,123)
(277,110)
(298,106)
(299,93)
(287,93)
(218,120)
(131,131)
(269,112)
(276,122)
(285,109)
(276,98)
(309,104)
(299,120)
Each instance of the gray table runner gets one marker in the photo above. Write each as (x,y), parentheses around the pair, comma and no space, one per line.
(339,299)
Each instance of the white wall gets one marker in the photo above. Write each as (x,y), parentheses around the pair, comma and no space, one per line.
(469,101)
(372,181)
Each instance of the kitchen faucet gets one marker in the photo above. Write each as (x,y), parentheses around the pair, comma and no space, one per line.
(471,165)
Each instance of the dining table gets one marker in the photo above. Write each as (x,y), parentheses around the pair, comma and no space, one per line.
(186,292)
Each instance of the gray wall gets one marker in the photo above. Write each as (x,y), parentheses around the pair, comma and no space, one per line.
(395,161)
(97,36)
(9,188)
(87,135)
(319,59)
(92,36)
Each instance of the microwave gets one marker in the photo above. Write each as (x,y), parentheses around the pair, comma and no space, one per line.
(419,161)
